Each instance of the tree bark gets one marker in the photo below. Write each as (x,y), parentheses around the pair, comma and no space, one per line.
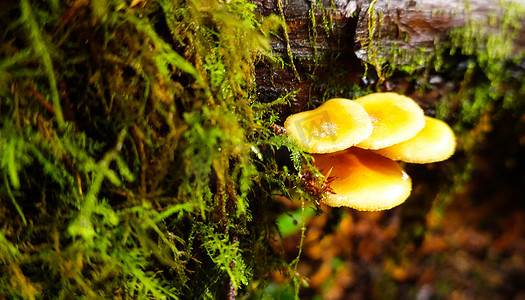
(320,40)
(417,25)
(331,35)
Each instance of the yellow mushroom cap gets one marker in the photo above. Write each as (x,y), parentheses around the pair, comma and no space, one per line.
(336,125)
(435,142)
(364,180)
(395,118)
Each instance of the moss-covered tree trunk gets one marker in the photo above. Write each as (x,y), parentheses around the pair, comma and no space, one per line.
(135,161)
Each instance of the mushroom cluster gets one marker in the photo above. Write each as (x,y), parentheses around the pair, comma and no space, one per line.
(359,141)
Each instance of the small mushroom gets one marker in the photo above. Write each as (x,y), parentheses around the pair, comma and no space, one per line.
(395,118)
(336,125)
(435,142)
(364,180)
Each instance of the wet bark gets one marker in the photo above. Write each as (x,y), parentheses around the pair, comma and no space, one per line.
(417,25)
(320,41)
(332,35)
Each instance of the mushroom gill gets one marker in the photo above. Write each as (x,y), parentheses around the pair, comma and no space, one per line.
(364,180)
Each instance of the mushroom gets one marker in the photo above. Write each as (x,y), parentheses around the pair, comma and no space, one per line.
(435,142)
(364,180)
(395,118)
(336,125)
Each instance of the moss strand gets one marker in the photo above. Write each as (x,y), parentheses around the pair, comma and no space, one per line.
(40,49)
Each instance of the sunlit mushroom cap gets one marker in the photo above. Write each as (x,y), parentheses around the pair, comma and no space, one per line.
(336,125)
(435,142)
(364,180)
(395,118)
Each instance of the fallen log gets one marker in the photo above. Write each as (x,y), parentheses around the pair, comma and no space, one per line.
(324,37)
(420,26)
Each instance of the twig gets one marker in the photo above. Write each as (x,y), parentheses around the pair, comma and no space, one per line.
(40,98)
(232,291)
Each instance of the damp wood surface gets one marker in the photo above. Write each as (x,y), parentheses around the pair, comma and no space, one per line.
(330,42)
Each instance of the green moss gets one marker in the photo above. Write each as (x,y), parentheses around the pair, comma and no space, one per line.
(312,32)
(41,51)
(490,47)
(373,44)
(136,161)
(287,40)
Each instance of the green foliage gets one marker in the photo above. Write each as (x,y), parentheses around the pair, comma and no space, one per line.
(225,255)
(491,68)
(291,223)
(136,162)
